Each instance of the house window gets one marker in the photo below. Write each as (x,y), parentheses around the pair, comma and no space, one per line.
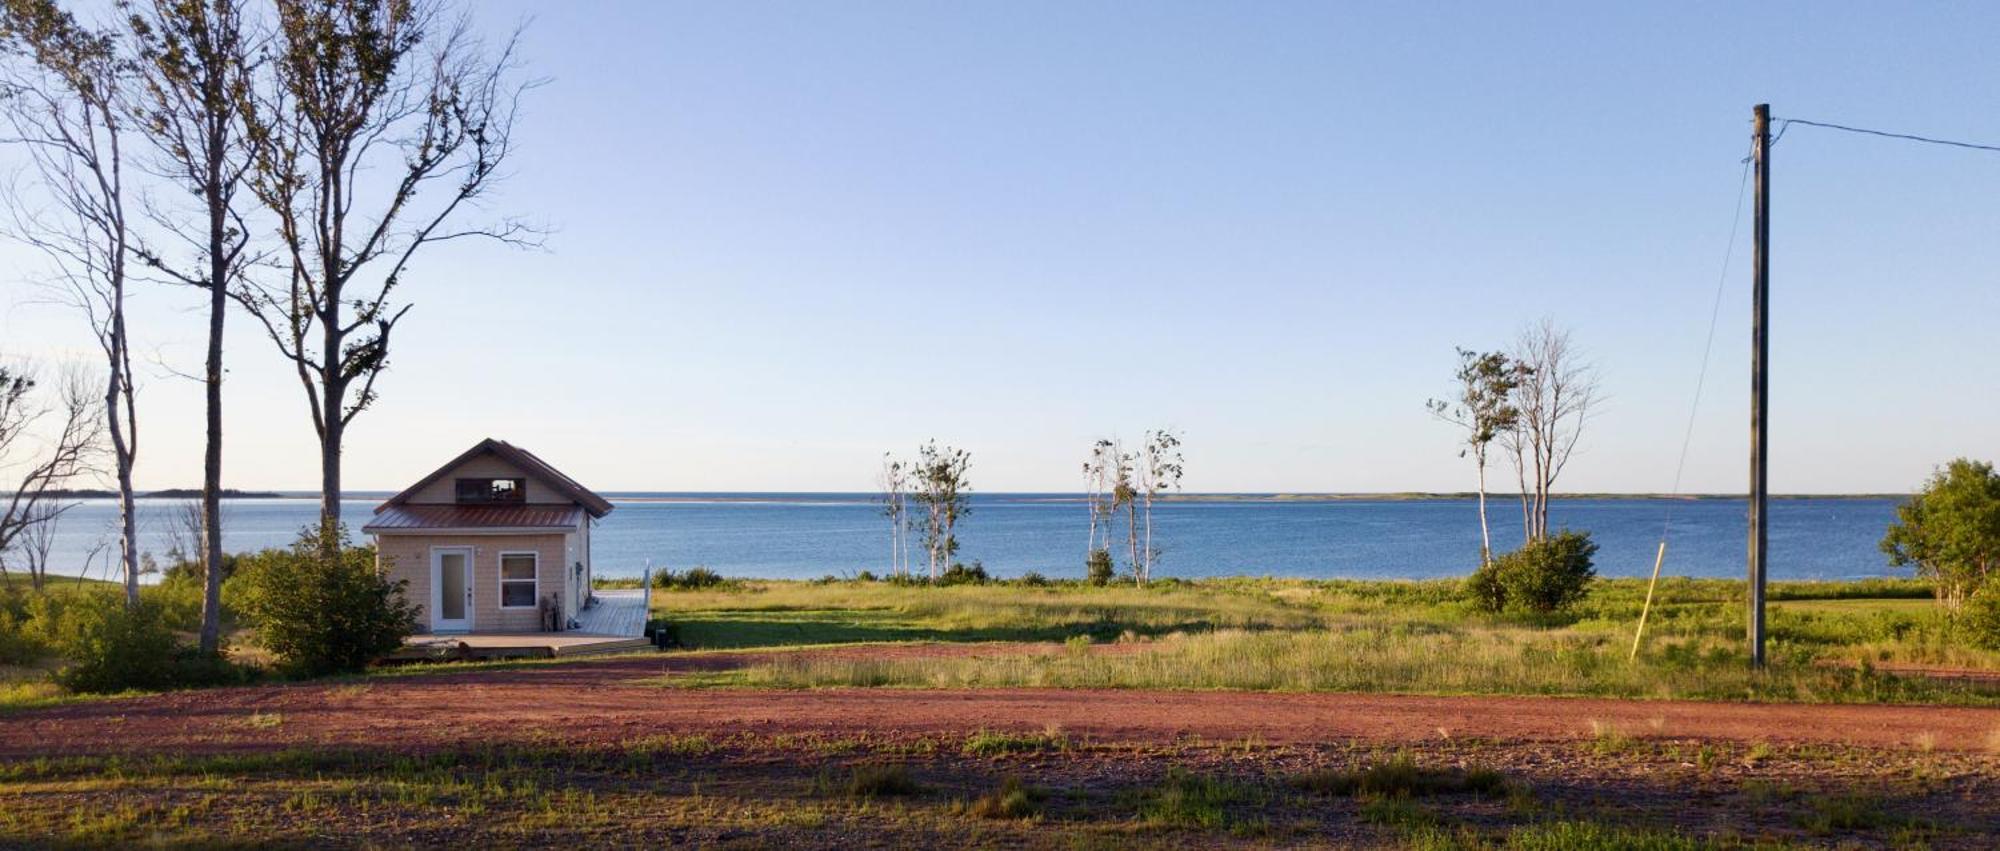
(517,580)
(501,491)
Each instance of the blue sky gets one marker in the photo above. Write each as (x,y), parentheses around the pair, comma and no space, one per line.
(790,237)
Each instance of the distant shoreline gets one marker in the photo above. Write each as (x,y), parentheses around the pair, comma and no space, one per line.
(169,493)
(1498,499)
(1022,496)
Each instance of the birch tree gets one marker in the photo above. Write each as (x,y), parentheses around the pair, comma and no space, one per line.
(1124,496)
(1159,470)
(63,92)
(383,123)
(195,78)
(1484,410)
(1097,496)
(1558,387)
(942,489)
(894,481)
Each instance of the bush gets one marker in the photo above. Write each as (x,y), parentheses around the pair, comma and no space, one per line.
(1541,577)
(1033,579)
(692,579)
(20,643)
(324,614)
(107,647)
(1099,569)
(959,574)
(1950,530)
(1981,619)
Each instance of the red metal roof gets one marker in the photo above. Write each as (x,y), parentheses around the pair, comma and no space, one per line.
(391,518)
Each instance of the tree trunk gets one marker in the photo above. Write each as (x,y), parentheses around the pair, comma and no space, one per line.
(1148,551)
(1132,536)
(333,429)
(1485,535)
(211,471)
(128,525)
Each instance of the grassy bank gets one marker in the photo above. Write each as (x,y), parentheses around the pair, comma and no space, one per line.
(1830,642)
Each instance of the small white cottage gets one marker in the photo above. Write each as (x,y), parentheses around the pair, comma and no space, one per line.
(495,541)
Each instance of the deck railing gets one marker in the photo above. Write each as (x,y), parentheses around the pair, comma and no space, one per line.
(646,587)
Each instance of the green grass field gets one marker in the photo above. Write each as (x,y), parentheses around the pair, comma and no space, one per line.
(1830,642)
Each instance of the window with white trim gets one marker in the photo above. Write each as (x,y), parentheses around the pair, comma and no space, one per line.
(517,580)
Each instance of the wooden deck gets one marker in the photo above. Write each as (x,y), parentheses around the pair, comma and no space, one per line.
(616,613)
(616,624)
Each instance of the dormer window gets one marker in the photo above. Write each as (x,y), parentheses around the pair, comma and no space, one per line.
(492,491)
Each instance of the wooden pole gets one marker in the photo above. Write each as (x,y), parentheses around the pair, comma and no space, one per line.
(1659,558)
(1760,353)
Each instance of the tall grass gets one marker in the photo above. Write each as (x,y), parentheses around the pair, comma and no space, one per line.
(1298,635)
(1377,659)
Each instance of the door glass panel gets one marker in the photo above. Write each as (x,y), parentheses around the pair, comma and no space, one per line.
(451,586)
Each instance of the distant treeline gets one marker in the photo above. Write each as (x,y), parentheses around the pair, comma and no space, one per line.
(169,493)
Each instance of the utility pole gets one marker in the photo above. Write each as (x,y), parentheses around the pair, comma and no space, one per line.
(1760,354)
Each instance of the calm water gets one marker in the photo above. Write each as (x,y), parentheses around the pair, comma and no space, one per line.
(811,535)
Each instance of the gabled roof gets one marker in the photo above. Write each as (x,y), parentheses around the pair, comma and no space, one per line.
(520,458)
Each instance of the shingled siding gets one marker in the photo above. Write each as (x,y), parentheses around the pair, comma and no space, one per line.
(408,557)
(444,491)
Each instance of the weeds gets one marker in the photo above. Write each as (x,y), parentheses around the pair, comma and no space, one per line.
(1400,776)
(1011,800)
(1607,740)
(994,743)
(867,780)
(1184,800)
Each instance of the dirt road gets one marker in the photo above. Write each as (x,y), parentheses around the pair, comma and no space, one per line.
(615,698)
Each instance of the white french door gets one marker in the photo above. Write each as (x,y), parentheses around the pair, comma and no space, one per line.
(451,589)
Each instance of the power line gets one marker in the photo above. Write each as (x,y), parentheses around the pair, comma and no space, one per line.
(1786,123)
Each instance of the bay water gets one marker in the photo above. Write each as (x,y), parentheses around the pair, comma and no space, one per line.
(809,535)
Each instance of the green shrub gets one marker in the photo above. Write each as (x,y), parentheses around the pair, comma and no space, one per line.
(324,613)
(20,642)
(1950,530)
(692,579)
(1980,621)
(959,574)
(105,646)
(1033,579)
(1488,593)
(1541,577)
(1099,569)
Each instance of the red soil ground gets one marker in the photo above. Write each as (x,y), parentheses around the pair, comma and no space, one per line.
(612,699)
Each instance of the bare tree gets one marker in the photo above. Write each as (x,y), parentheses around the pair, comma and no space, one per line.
(942,488)
(1159,469)
(1485,410)
(1553,400)
(895,483)
(195,71)
(44,447)
(389,100)
(183,532)
(38,539)
(65,107)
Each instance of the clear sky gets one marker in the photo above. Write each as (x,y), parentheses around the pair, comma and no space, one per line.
(792,236)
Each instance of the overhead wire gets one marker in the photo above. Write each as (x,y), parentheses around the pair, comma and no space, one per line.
(1786,123)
